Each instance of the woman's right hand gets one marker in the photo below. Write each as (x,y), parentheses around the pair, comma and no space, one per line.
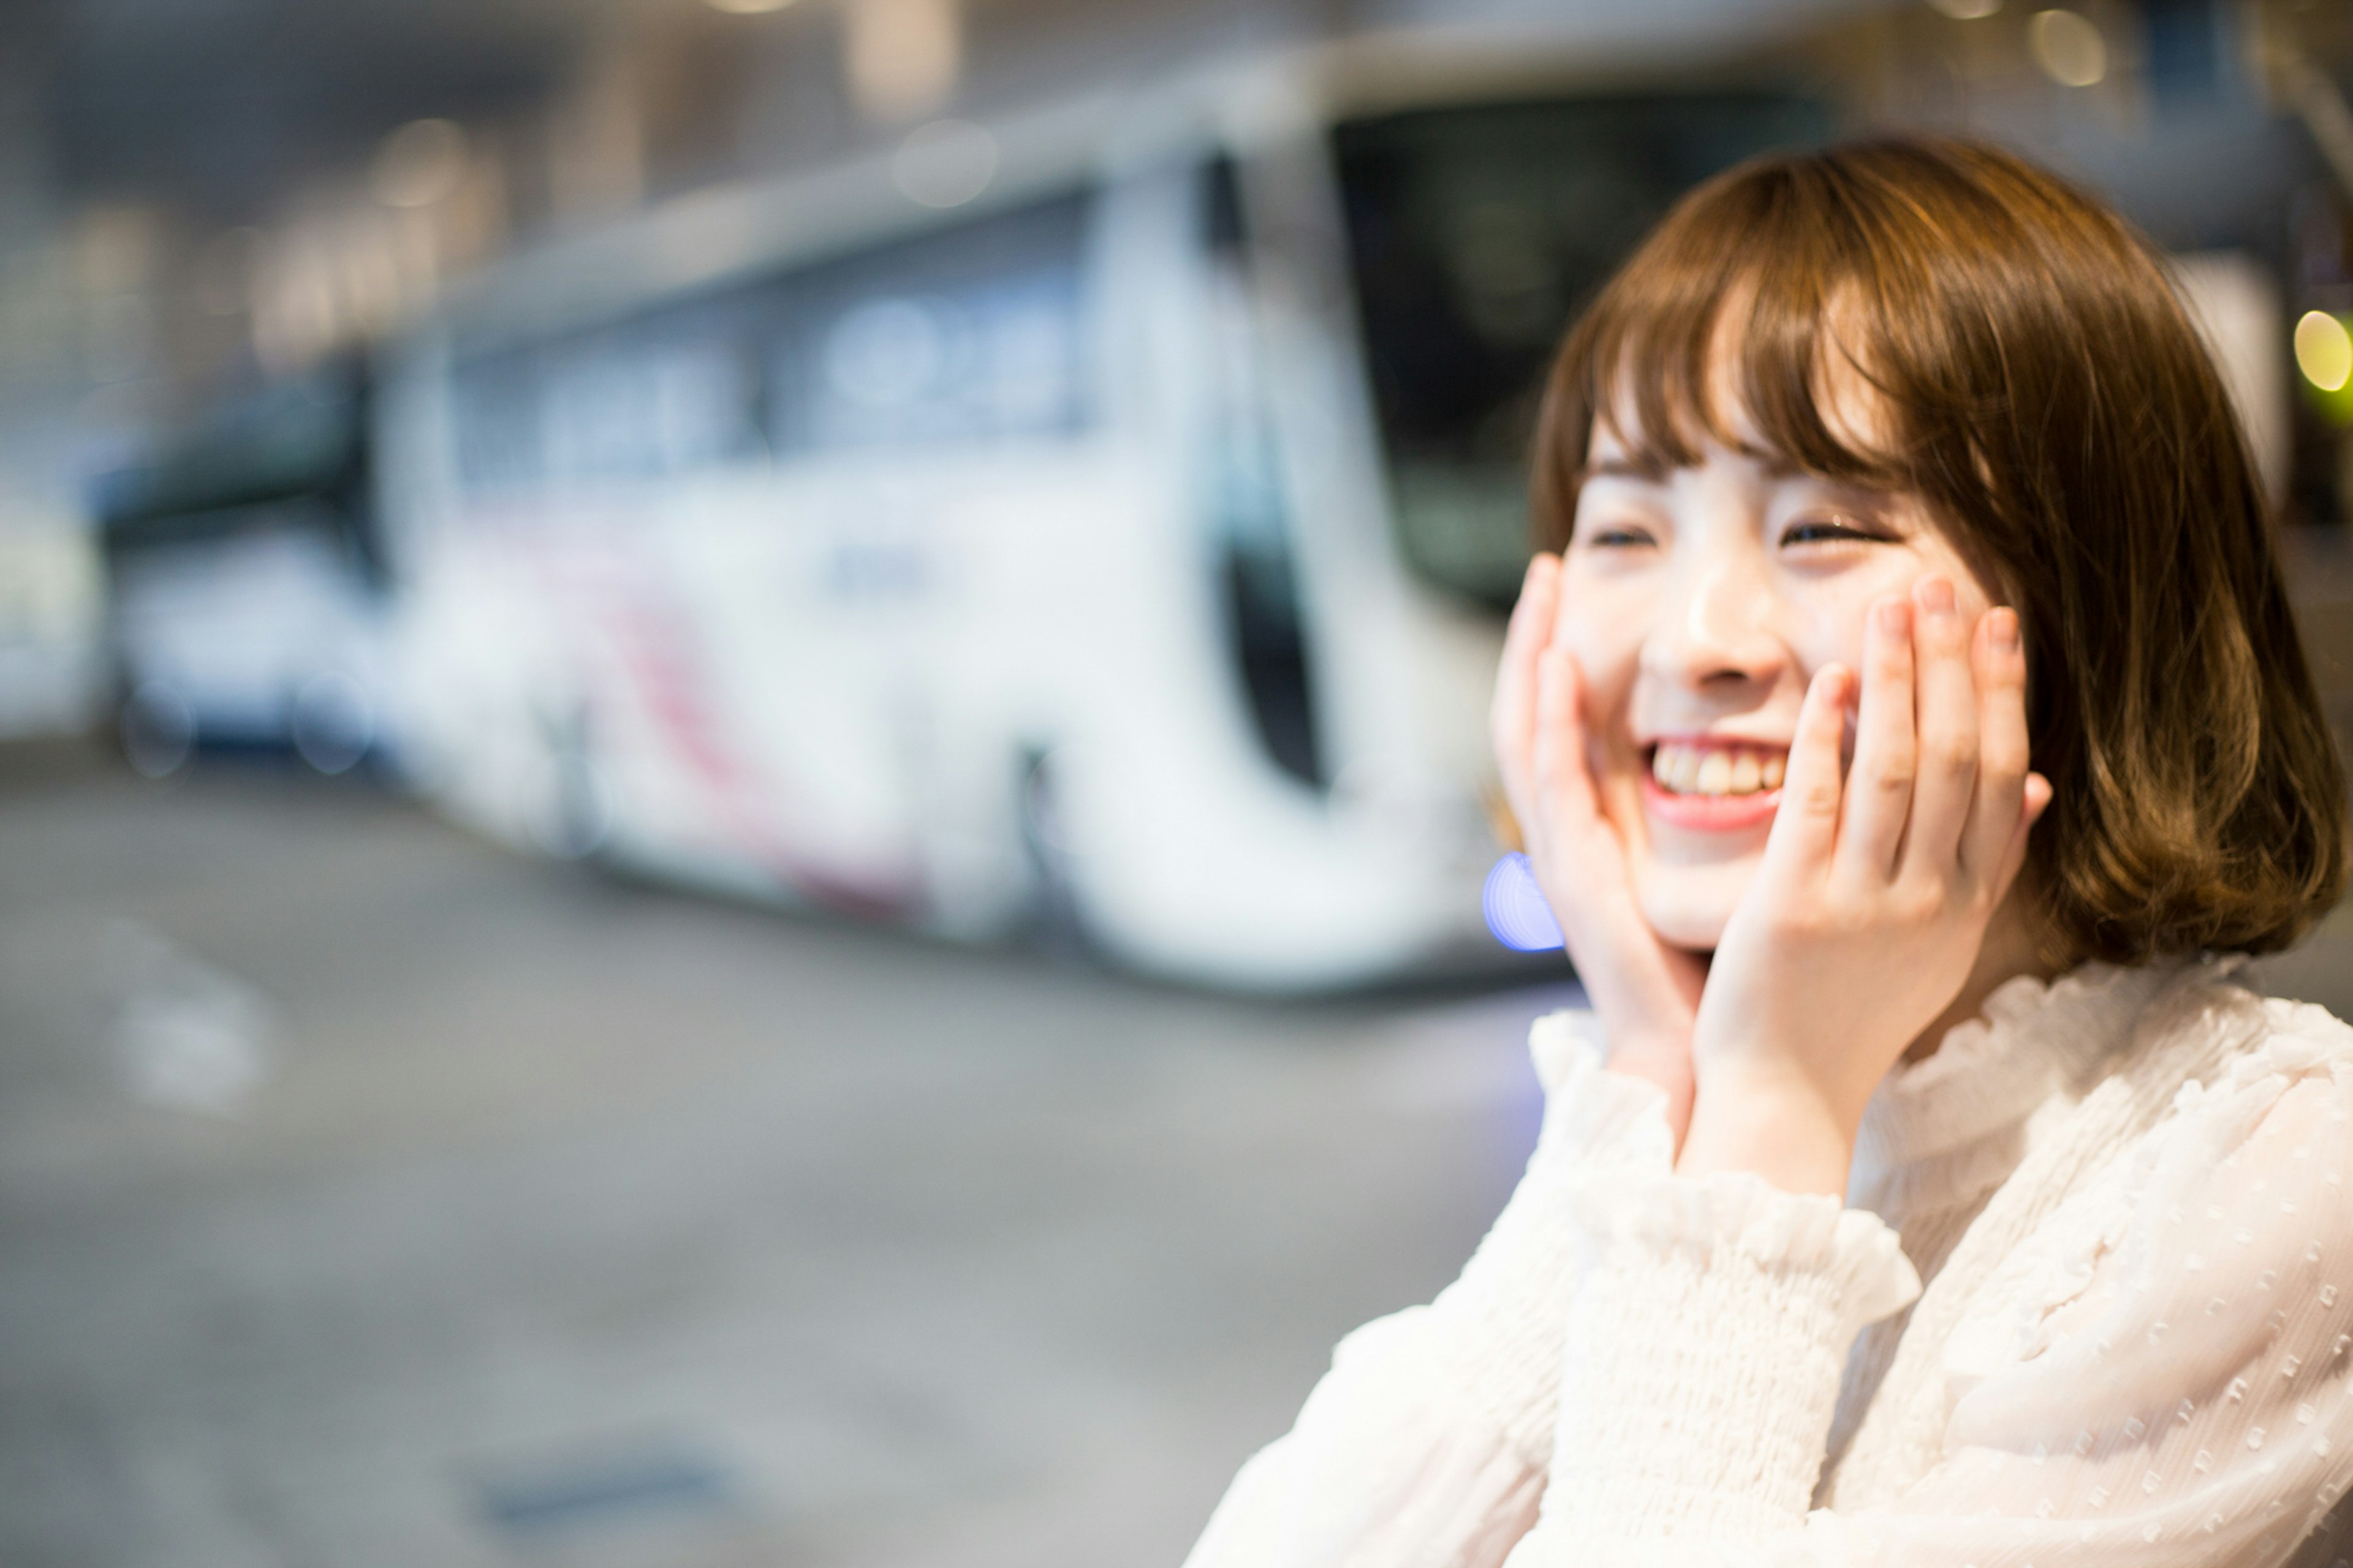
(1645,993)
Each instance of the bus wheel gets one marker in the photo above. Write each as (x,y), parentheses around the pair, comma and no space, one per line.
(157,729)
(1055,926)
(578,818)
(334,722)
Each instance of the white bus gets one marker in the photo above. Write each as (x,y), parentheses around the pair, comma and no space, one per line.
(1105,515)
(247,594)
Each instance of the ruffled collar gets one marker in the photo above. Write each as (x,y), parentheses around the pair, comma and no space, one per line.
(1994,1070)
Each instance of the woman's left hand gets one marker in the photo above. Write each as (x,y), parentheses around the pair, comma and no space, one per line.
(1873,899)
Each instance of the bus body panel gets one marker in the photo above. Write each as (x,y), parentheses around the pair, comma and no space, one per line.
(1109,616)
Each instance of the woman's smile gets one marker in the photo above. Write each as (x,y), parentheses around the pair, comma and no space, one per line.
(1714,784)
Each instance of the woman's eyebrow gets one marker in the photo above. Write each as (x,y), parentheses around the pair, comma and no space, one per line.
(1649,469)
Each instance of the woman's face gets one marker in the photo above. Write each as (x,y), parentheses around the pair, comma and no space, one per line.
(1699,602)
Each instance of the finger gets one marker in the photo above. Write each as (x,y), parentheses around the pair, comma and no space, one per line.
(1524,636)
(2035,798)
(2002,749)
(1563,784)
(1806,826)
(1879,786)
(1512,720)
(1947,702)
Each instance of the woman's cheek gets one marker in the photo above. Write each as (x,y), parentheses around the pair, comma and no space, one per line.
(1600,623)
(1832,631)
(1836,611)
(1607,641)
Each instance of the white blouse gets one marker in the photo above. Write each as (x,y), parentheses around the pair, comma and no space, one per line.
(2125,1191)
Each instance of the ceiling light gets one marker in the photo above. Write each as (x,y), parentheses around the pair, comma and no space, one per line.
(419,164)
(2067,46)
(902,56)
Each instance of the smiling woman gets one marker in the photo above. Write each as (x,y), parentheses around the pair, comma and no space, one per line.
(1911,737)
(2001,379)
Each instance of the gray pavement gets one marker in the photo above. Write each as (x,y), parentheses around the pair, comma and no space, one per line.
(371,1196)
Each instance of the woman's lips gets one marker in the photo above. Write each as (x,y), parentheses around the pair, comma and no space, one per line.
(1711,787)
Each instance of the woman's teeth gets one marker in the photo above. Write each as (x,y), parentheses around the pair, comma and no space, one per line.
(1716,770)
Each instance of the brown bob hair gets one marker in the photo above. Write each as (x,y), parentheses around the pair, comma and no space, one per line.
(2045,392)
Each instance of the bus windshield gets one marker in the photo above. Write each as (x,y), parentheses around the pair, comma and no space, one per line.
(1475,235)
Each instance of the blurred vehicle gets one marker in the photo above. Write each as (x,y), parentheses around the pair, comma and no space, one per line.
(246,583)
(1107,515)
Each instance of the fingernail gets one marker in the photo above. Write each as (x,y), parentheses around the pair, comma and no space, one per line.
(1895,617)
(2001,631)
(1936,595)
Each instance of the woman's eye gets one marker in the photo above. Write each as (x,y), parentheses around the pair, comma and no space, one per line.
(1831,530)
(1618,536)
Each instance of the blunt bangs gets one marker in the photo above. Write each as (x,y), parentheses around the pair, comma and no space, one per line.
(1710,325)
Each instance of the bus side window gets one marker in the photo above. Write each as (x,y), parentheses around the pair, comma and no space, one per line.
(967,335)
(494,418)
(1247,511)
(667,393)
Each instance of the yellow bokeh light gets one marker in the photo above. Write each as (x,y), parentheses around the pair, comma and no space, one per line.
(749,8)
(2324,351)
(2068,46)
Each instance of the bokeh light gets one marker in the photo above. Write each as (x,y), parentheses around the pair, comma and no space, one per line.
(2068,46)
(2324,351)
(1515,908)
(419,164)
(944,163)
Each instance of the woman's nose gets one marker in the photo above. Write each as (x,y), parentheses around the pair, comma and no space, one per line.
(1720,626)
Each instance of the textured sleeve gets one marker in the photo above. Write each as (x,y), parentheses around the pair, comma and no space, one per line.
(1427,1440)
(2161,1378)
